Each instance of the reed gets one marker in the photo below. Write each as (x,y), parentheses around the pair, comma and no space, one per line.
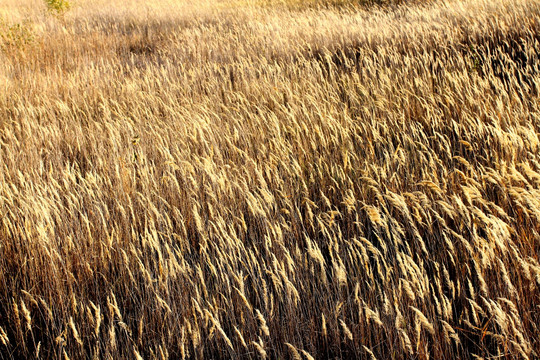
(264,179)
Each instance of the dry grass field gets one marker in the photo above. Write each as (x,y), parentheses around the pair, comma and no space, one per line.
(270,179)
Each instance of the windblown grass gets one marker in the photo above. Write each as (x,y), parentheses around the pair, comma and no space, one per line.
(227,180)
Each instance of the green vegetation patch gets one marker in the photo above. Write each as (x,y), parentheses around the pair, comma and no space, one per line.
(16,35)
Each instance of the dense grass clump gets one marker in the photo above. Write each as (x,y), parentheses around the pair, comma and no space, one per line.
(237,180)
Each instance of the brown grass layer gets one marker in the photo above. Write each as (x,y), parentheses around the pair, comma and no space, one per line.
(230,180)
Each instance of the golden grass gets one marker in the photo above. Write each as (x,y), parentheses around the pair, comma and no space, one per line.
(231,180)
